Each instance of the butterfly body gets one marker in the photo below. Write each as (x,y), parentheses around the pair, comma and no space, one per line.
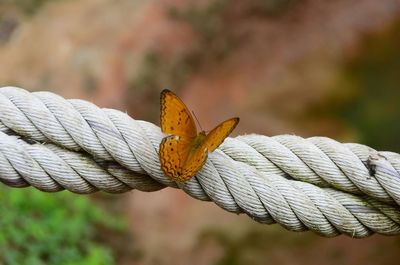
(184,151)
(198,140)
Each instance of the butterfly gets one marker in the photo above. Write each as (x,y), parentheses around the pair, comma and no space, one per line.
(184,151)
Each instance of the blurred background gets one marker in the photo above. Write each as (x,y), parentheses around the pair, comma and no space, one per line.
(304,67)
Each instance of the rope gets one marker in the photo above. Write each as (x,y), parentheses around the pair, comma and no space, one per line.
(313,184)
(52,168)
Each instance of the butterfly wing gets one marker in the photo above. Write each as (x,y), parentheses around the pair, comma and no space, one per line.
(173,154)
(196,157)
(194,163)
(219,133)
(175,116)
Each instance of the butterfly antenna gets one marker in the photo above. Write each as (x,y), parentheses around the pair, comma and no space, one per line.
(197,120)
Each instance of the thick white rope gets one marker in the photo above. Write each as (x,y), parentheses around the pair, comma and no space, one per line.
(252,174)
(51,168)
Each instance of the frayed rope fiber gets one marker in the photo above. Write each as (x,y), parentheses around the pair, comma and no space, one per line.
(313,184)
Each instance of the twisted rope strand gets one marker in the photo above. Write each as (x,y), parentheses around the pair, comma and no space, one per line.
(267,198)
(51,168)
(247,174)
(318,160)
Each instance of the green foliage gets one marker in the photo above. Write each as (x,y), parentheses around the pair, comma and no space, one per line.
(57,228)
(369,97)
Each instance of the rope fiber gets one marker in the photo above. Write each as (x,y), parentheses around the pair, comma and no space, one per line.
(315,184)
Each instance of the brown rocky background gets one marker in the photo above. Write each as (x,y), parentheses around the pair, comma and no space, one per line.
(304,67)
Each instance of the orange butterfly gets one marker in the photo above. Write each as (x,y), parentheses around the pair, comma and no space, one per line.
(184,151)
